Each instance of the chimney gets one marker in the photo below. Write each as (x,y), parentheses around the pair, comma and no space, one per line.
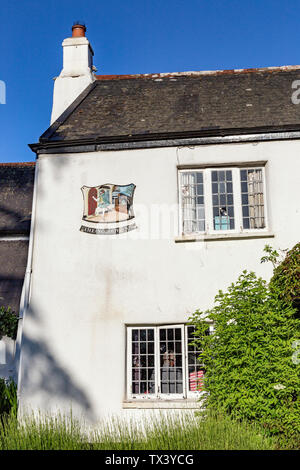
(77,72)
(78,30)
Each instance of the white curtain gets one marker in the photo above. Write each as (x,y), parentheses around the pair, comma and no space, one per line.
(188,194)
(256,199)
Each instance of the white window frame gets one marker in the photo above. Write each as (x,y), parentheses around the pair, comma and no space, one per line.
(158,395)
(237,199)
(173,396)
(189,393)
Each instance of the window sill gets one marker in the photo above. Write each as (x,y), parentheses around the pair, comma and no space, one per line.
(163,404)
(224,236)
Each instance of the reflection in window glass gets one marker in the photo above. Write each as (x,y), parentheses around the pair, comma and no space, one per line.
(162,362)
(143,377)
(222,199)
(192,194)
(195,369)
(252,198)
(170,347)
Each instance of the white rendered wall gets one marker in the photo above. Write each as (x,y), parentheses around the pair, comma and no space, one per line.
(86,288)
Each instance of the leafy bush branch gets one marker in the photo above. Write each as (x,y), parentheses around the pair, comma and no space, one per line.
(250,371)
(8,323)
(8,397)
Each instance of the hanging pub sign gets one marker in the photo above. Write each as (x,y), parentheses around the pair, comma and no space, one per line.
(108,209)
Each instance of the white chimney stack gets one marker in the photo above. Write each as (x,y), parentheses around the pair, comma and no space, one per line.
(77,72)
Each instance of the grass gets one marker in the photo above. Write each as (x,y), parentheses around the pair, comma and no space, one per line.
(167,432)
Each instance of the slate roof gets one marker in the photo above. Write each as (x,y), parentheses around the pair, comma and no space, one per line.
(16,188)
(16,191)
(13,260)
(121,108)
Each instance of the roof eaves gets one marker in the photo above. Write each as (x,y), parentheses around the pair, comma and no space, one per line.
(174,138)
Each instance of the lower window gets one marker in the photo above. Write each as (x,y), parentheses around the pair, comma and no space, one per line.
(161,362)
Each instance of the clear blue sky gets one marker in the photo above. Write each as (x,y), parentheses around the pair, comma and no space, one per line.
(131,36)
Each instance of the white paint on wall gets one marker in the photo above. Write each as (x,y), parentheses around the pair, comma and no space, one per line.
(87,288)
(2,352)
(75,76)
(7,347)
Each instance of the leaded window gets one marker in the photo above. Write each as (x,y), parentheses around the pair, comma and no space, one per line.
(229,199)
(162,362)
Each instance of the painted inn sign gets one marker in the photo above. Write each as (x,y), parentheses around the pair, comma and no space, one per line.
(110,206)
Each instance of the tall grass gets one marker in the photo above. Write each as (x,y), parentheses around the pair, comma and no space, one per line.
(167,432)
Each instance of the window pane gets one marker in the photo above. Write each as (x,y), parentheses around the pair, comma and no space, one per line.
(215,187)
(151,360)
(200,212)
(200,189)
(244,187)
(170,334)
(246,222)
(222,200)
(162,334)
(228,175)
(135,335)
(201,226)
(243,175)
(222,188)
(221,175)
(214,176)
(245,211)
(199,177)
(229,188)
(230,199)
(171,361)
(215,199)
(195,369)
(178,334)
(192,195)
(245,199)
(142,361)
(252,198)
(230,211)
(151,335)
(143,335)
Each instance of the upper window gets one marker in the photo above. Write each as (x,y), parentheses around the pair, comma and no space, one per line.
(162,363)
(222,199)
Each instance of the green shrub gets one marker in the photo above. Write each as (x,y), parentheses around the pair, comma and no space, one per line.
(250,373)
(8,323)
(8,397)
(286,277)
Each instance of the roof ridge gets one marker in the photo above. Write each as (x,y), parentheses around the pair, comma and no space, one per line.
(282,68)
(17,163)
